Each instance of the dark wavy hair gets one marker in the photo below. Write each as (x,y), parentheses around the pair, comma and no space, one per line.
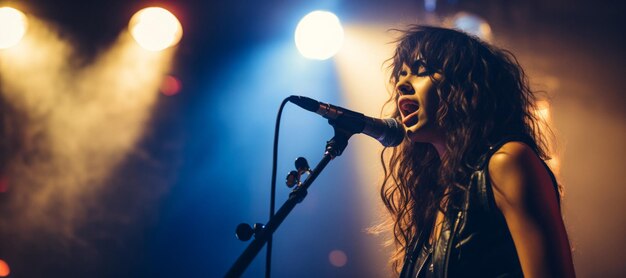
(484,98)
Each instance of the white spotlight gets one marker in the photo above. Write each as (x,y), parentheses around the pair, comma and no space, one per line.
(155,28)
(12,27)
(319,35)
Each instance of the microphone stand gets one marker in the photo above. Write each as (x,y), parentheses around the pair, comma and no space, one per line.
(334,148)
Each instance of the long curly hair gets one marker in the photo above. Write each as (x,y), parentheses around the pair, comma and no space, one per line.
(484,97)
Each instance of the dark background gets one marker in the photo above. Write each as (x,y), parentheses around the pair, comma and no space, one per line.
(209,147)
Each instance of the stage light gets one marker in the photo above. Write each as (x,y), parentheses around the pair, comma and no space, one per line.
(473,24)
(319,35)
(155,28)
(12,27)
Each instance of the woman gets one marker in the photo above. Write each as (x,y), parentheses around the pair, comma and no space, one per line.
(468,189)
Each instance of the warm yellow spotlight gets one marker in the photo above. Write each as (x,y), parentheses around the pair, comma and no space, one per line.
(12,27)
(155,28)
(319,35)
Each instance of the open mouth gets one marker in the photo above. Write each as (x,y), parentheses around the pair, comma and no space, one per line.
(408,109)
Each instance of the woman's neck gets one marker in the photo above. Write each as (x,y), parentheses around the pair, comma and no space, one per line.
(440,147)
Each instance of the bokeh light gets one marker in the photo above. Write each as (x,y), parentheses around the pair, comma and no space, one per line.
(13,26)
(170,86)
(155,28)
(338,258)
(4,269)
(319,35)
(4,184)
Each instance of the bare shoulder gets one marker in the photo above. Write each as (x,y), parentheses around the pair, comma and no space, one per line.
(517,174)
(525,194)
(512,152)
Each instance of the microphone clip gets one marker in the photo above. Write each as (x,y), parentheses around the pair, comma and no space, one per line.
(295,176)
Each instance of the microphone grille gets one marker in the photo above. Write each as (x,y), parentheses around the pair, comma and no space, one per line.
(305,102)
(395,136)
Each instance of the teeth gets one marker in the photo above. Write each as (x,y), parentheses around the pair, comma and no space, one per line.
(409,107)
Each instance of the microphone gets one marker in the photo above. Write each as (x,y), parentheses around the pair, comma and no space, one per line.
(387,131)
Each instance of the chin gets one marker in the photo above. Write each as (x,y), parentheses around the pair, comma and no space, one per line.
(417,137)
(420,134)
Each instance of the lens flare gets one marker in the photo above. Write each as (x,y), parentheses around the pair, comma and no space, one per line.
(12,27)
(155,28)
(319,35)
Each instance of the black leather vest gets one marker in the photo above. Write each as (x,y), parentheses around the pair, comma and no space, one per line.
(474,240)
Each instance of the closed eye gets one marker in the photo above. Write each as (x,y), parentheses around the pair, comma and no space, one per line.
(420,68)
(423,73)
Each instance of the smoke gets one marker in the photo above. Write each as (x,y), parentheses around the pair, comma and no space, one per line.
(72,125)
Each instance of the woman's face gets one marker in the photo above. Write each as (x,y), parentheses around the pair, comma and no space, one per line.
(418,102)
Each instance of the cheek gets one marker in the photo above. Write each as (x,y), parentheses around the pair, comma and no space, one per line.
(430,100)
(433,100)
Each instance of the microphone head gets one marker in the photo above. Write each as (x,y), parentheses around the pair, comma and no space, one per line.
(394,134)
(305,102)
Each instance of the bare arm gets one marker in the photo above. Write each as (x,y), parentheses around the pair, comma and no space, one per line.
(524,193)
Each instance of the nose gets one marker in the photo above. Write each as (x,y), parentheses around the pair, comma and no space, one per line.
(403,87)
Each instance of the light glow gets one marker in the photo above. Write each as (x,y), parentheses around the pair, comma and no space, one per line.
(365,48)
(319,35)
(155,28)
(473,24)
(13,26)
(543,110)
